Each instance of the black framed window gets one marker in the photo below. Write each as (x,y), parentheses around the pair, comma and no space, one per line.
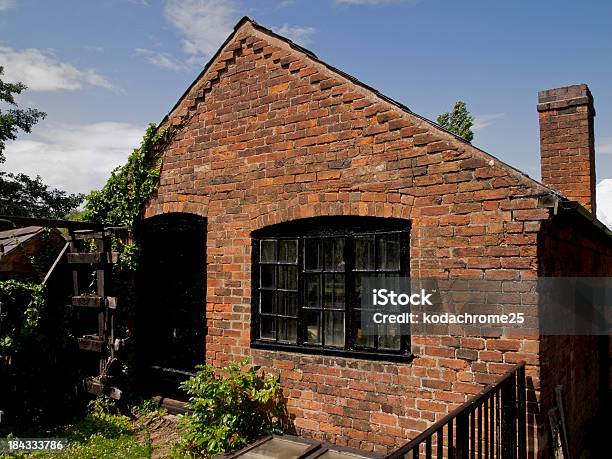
(307,279)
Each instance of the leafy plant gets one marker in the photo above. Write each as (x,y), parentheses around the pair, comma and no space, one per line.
(230,408)
(103,419)
(128,254)
(14,118)
(28,324)
(121,201)
(21,305)
(21,194)
(146,407)
(102,404)
(103,432)
(459,121)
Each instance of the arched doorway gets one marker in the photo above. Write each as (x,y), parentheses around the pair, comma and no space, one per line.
(170,319)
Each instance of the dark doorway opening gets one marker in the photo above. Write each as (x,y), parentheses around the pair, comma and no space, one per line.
(170,318)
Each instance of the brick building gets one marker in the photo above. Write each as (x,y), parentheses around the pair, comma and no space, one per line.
(305,178)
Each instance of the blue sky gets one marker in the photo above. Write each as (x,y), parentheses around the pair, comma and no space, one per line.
(104,69)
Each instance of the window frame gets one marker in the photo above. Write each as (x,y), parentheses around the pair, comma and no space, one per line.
(329,227)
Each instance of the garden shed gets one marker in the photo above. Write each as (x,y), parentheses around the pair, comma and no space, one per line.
(28,252)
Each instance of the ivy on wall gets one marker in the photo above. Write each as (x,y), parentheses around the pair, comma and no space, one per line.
(121,201)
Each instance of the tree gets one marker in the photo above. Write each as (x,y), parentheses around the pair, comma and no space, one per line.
(14,118)
(459,121)
(21,195)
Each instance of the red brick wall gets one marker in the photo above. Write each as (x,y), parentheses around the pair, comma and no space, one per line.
(269,135)
(571,247)
(567,142)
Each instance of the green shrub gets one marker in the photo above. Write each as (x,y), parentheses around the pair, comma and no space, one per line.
(103,419)
(231,408)
(30,323)
(145,407)
(20,315)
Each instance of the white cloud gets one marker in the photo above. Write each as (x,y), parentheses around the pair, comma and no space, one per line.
(41,71)
(604,145)
(298,34)
(483,121)
(160,59)
(604,201)
(6,4)
(75,158)
(204,24)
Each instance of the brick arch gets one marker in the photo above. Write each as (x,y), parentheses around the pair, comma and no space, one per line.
(319,209)
(186,207)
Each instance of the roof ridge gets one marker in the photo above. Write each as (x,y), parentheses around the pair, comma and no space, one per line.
(545,189)
(248,20)
(394,102)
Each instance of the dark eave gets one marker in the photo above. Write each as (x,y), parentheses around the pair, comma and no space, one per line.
(50,223)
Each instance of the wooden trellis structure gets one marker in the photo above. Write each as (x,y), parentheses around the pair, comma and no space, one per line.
(167,347)
(90,258)
(95,302)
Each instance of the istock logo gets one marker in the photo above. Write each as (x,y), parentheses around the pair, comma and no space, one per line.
(384,297)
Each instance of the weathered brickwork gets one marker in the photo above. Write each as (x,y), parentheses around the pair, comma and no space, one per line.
(574,248)
(566,138)
(269,134)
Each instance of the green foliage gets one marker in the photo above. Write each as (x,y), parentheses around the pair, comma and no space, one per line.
(147,408)
(20,314)
(103,418)
(100,447)
(459,121)
(24,196)
(42,260)
(34,343)
(76,215)
(230,409)
(103,404)
(20,194)
(84,441)
(102,433)
(121,200)
(96,447)
(128,255)
(14,118)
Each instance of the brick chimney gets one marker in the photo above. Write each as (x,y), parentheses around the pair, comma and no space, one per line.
(567,142)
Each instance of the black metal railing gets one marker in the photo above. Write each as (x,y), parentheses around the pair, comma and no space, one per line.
(491,425)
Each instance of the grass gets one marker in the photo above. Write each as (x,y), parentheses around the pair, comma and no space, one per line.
(99,447)
(103,433)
